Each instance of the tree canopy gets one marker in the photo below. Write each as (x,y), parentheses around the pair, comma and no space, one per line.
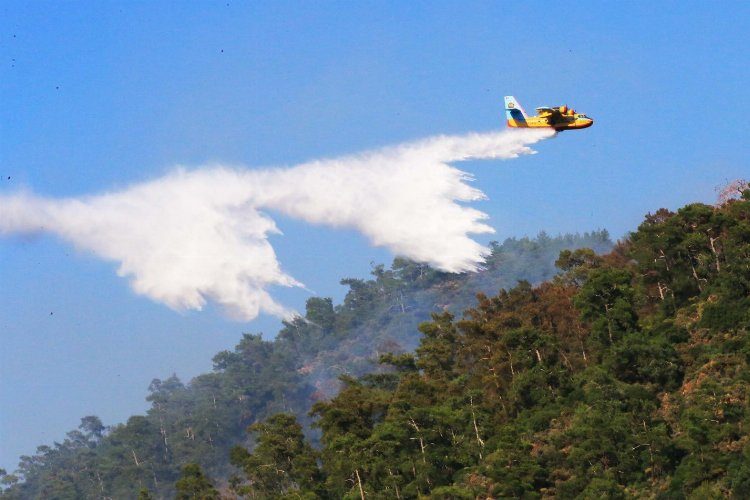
(623,373)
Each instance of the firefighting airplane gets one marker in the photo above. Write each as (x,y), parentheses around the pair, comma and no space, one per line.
(559,118)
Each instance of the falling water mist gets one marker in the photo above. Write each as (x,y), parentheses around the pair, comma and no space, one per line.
(201,234)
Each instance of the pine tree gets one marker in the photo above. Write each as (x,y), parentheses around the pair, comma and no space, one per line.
(282,463)
(194,485)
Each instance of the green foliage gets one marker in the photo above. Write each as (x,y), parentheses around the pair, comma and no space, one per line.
(320,312)
(282,464)
(645,359)
(624,376)
(145,494)
(194,485)
(607,301)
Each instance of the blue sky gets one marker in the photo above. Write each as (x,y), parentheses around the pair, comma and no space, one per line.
(96,96)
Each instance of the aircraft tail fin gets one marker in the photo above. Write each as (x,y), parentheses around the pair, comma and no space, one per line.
(514,113)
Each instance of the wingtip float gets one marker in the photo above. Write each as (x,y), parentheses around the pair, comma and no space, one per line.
(559,118)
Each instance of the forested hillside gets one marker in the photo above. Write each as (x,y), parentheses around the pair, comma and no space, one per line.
(623,375)
(201,421)
(626,376)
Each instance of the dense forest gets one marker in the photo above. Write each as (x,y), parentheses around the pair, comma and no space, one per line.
(567,367)
(201,421)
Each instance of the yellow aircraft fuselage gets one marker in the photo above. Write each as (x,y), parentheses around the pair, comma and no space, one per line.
(567,123)
(558,118)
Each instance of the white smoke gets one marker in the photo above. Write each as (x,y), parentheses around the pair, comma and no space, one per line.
(198,235)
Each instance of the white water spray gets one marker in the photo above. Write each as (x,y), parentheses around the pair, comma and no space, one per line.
(198,235)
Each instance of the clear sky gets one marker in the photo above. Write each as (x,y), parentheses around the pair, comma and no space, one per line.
(96,96)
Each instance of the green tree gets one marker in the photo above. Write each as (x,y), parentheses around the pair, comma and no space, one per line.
(145,494)
(194,485)
(282,463)
(607,300)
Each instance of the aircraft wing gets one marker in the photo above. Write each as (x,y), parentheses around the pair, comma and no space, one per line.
(545,111)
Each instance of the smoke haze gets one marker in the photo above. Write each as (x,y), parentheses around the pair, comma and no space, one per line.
(198,235)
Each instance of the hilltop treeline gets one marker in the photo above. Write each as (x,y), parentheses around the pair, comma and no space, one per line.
(201,421)
(623,375)
(626,376)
